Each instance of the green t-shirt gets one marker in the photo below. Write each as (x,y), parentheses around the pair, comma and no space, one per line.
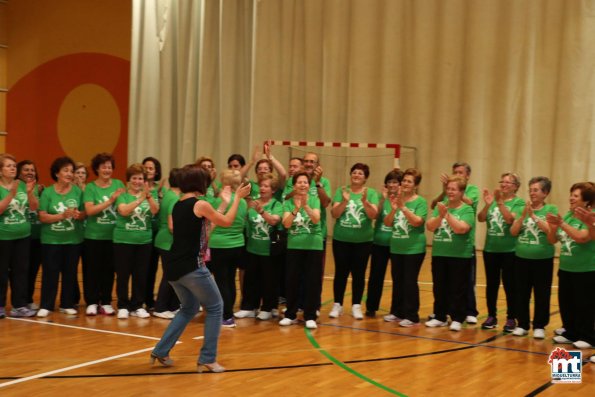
(14,224)
(407,239)
(258,230)
(354,226)
(446,242)
(303,234)
(135,228)
(33,218)
(156,193)
(164,238)
(66,231)
(575,257)
(382,232)
(101,225)
(211,192)
(232,236)
(532,242)
(313,192)
(498,237)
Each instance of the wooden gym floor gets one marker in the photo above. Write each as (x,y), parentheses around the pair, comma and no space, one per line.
(98,356)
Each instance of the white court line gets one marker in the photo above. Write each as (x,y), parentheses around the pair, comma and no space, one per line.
(198,337)
(83,328)
(57,371)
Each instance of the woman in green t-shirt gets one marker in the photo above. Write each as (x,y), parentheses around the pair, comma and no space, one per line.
(354,207)
(534,259)
(133,241)
(500,210)
(61,213)
(576,296)
(15,232)
(98,267)
(452,250)
(154,174)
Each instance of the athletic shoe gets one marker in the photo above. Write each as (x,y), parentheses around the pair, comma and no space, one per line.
(22,312)
(123,313)
(431,316)
(167,315)
(262,315)
(108,310)
(275,312)
(69,310)
(140,313)
(33,306)
(471,320)
(389,318)
(561,339)
(510,325)
(518,331)
(593,358)
(229,323)
(245,314)
(559,331)
(311,324)
(288,321)
(336,311)
(581,344)
(455,326)
(539,333)
(91,310)
(436,323)
(370,313)
(43,313)
(2,312)
(408,323)
(490,323)
(356,311)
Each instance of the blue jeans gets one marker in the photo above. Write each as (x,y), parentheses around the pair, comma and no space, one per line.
(194,289)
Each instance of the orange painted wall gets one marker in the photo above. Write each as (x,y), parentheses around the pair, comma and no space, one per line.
(68,79)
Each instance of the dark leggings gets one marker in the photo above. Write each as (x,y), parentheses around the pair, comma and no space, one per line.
(378,265)
(533,275)
(14,263)
(223,265)
(405,271)
(499,266)
(350,258)
(98,271)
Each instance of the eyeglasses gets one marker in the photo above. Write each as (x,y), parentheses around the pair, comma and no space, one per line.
(505,183)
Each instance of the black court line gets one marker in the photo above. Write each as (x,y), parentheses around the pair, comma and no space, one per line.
(547,385)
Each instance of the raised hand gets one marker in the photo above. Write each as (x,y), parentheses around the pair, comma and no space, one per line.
(497,195)
(553,219)
(442,209)
(345,193)
(317,174)
(225,193)
(243,190)
(444,179)
(585,215)
(488,198)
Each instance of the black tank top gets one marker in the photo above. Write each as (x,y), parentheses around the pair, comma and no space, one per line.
(184,255)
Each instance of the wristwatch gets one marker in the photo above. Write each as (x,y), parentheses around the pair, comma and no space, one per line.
(318,185)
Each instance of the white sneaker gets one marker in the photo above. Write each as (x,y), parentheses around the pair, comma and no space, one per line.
(43,313)
(245,314)
(264,315)
(108,310)
(581,344)
(518,331)
(471,320)
(592,358)
(288,321)
(561,339)
(408,323)
(356,311)
(91,310)
(391,317)
(165,315)
(336,311)
(539,333)
(140,313)
(68,310)
(436,323)
(455,326)
(275,312)
(311,324)
(123,313)
(559,331)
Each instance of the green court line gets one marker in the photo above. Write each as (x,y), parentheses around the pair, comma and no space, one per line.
(347,368)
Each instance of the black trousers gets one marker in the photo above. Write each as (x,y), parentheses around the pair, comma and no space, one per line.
(350,258)
(500,266)
(149,298)
(533,275)
(131,260)
(405,288)
(34,264)
(98,271)
(451,281)
(576,296)
(223,265)
(59,259)
(260,283)
(378,265)
(167,300)
(14,265)
(303,265)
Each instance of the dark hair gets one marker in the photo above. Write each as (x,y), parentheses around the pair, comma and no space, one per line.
(174,176)
(135,169)
(23,163)
(193,178)
(267,161)
(361,166)
(301,173)
(157,167)
(101,158)
(587,191)
(58,164)
(301,160)
(394,175)
(462,164)
(237,157)
(544,183)
(414,172)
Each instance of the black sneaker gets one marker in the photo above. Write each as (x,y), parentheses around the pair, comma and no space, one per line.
(510,325)
(490,323)
(370,313)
